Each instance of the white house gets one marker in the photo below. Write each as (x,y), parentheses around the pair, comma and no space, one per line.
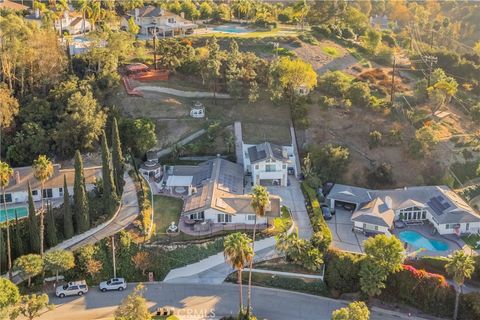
(376,210)
(156,20)
(17,190)
(216,193)
(151,167)
(72,21)
(268,163)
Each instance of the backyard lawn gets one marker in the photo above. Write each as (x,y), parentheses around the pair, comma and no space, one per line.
(166,210)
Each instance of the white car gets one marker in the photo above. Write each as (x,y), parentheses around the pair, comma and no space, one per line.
(113,284)
(76,288)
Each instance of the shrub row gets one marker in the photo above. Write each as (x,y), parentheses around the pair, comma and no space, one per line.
(315,214)
(342,272)
(418,288)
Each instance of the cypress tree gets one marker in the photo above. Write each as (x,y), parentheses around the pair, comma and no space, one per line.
(117,159)
(33,230)
(51,237)
(80,197)
(67,214)
(109,193)
(18,237)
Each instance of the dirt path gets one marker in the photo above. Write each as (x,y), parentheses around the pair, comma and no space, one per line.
(185,94)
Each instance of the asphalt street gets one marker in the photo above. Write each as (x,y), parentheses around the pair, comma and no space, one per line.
(200,301)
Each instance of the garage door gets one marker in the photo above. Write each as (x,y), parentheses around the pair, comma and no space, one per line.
(347,205)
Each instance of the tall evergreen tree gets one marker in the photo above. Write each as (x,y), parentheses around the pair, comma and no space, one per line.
(68,231)
(109,193)
(51,236)
(19,250)
(117,158)
(33,230)
(80,197)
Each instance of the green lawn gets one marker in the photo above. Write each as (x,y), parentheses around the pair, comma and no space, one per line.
(166,210)
(331,51)
(254,133)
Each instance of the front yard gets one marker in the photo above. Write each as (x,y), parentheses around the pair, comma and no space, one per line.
(166,210)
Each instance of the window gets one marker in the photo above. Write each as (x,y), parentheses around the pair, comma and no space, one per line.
(171,20)
(224,218)
(8,198)
(467,226)
(256,166)
(60,191)
(34,192)
(270,168)
(376,228)
(47,193)
(364,226)
(251,217)
(284,166)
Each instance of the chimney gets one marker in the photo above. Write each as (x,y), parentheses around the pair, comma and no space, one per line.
(17,177)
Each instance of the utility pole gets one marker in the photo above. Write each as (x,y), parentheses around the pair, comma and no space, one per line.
(392,91)
(113,258)
(431,60)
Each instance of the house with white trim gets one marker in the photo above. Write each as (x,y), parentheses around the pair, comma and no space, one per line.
(268,163)
(376,210)
(17,189)
(156,20)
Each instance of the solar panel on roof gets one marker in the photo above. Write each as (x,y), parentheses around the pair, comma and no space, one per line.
(436,206)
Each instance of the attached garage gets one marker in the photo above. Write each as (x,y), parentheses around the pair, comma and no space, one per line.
(342,195)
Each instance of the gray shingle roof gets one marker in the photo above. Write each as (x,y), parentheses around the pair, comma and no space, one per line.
(265,151)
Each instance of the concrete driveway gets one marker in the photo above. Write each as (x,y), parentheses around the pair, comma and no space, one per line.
(343,236)
(292,197)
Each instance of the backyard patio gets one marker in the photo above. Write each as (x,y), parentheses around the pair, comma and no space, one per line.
(203,228)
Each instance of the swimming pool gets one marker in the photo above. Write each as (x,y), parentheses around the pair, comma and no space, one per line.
(22,212)
(419,241)
(231,28)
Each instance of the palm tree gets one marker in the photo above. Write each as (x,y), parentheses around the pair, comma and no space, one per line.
(42,171)
(95,13)
(6,172)
(238,253)
(61,6)
(460,266)
(83,6)
(259,202)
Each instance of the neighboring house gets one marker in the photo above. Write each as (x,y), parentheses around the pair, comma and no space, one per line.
(152,20)
(215,193)
(268,163)
(376,210)
(10,5)
(17,190)
(72,21)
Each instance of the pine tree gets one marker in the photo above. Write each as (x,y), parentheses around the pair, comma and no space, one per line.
(67,214)
(51,237)
(109,193)
(19,251)
(117,159)
(80,197)
(33,230)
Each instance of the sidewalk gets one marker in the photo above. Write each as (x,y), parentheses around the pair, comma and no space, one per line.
(185,94)
(214,270)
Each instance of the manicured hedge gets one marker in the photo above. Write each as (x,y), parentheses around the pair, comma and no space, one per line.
(315,213)
(426,291)
(341,272)
(469,308)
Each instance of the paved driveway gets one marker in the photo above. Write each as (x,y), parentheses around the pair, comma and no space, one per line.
(343,236)
(292,197)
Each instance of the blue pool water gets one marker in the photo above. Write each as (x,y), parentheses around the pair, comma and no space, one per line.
(22,212)
(419,241)
(232,29)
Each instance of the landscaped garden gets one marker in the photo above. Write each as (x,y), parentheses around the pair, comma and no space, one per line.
(166,210)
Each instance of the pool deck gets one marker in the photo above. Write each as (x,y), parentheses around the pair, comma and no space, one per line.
(454,243)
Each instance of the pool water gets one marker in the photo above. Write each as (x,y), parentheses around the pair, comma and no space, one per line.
(22,212)
(232,29)
(419,241)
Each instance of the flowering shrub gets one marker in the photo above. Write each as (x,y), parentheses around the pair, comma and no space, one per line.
(426,291)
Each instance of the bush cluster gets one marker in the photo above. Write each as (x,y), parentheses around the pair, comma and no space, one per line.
(342,272)
(316,217)
(426,291)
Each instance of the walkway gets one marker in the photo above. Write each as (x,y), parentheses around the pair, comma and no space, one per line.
(208,302)
(286,274)
(184,94)
(214,270)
